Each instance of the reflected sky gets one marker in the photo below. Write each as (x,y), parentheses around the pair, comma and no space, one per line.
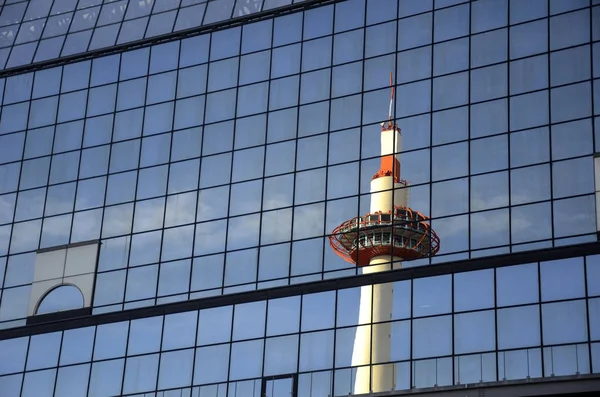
(67,27)
(197,343)
(217,164)
(92,124)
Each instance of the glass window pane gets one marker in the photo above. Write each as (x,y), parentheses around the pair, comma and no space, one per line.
(593,269)
(571,102)
(450,56)
(432,295)
(526,10)
(180,330)
(474,332)
(214,325)
(562,279)
(44,350)
(106,378)
(12,355)
(281,355)
(318,311)
(572,313)
(415,31)
(140,374)
(517,284)
(77,346)
(569,29)
(530,110)
(519,327)
(488,14)
(451,22)
(183,360)
(145,335)
(212,364)
(73,381)
(39,384)
(528,39)
(316,350)
(246,358)
(432,336)
(468,285)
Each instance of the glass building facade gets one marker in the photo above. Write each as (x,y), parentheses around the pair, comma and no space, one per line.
(171,171)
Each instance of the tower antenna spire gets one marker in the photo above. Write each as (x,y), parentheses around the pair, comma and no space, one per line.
(391,97)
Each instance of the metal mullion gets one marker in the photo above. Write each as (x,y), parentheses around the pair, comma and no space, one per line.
(229,208)
(230,166)
(265,145)
(201,24)
(469,234)
(222,287)
(548,51)
(174,23)
(22,161)
(16,193)
(394,114)
(299,350)
(166,196)
(469,215)
(25,364)
(431,120)
(164,218)
(148,24)
(431,76)
(92,359)
(125,356)
(509,171)
(292,8)
(232,9)
(93,28)
(539,304)
(327,165)
(20,23)
(62,338)
(591,45)
(410,347)
(62,47)
(110,145)
(312,287)
(80,150)
(264,165)
(135,200)
(41,33)
(361,121)
(297,106)
(496,329)
(234,306)
(160,349)
(121,22)
(588,317)
(262,179)
(197,190)
(264,352)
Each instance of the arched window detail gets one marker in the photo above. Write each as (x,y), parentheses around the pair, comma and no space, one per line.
(60,299)
(63,281)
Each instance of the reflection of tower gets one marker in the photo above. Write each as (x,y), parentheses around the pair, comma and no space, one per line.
(389,233)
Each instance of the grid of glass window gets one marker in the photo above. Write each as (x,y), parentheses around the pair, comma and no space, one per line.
(219,163)
(528,320)
(41,30)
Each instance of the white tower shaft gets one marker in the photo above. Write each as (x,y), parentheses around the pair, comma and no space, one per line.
(372,342)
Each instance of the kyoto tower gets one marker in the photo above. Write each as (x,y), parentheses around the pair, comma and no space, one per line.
(378,241)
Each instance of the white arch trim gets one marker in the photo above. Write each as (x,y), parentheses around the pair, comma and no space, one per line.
(74,266)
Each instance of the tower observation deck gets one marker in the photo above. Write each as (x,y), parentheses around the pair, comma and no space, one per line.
(391,228)
(390,233)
